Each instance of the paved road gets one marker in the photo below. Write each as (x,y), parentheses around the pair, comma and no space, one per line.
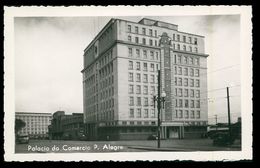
(47,146)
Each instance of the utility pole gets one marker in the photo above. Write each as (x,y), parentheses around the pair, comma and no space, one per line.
(228,106)
(216,119)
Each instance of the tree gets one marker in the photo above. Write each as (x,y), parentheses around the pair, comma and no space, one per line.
(19,124)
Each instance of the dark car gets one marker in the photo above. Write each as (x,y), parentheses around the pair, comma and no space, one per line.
(222,139)
(23,138)
(152,137)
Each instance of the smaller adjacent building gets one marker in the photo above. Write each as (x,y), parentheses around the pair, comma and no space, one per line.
(36,124)
(66,127)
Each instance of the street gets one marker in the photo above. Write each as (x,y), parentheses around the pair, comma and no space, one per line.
(61,146)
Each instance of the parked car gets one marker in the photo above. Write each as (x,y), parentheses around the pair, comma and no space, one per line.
(222,139)
(152,137)
(23,138)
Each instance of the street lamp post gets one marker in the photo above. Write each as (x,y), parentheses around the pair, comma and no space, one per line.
(159,99)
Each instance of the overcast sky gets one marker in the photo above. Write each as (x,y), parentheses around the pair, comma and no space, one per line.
(49,58)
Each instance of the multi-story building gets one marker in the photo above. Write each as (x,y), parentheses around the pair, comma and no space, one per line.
(68,126)
(120,78)
(36,124)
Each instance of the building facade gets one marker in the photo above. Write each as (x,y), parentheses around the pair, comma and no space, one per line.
(120,78)
(36,124)
(66,127)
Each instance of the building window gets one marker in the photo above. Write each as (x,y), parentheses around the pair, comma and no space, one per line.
(139,101)
(136,29)
(131,101)
(152,90)
(197,83)
(198,114)
(173,37)
(144,31)
(179,59)
(192,103)
(197,93)
(190,47)
(179,70)
(186,92)
(191,72)
(184,39)
(138,89)
(178,37)
(185,81)
(180,114)
(186,71)
(145,90)
(129,28)
(176,102)
(152,67)
(131,113)
(146,113)
(197,72)
(152,55)
(196,49)
(152,79)
(191,82)
(191,93)
(180,92)
(157,55)
(186,114)
(155,33)
(138,66)
(146,101)
(145,66)
(197,104)
(186,103)
(144,41)
(145,54)
(179,81)
(178,47)
(155,42)
(197,61)
(130,65)
(138,77)
(129,38)
(130,77)
(139,115)
(136,40)
(185,60)
(190,40)
(192,115)
(137,53)
(152,113)
(175,70)
(131,89)
(150,42)
(145,78)
(150,32)
(130,52)
(184,47)
(191,61)
(195,41)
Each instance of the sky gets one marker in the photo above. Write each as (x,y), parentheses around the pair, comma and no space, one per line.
(49,58)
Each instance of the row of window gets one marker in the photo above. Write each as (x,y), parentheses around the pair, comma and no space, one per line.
(138,113)
(186,71)
(145,66)
(145,78)
(139,101)
(143,41)
(187,103)
(180,59)
(186,82)
(138,89)
(152,55)
(179,92)
(187,114)
(143,31)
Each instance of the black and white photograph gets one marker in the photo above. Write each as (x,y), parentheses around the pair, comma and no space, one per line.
(128,83)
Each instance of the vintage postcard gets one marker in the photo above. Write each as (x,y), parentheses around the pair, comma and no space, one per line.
(127,83)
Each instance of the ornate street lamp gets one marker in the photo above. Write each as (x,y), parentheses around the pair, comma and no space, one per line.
(159,99)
